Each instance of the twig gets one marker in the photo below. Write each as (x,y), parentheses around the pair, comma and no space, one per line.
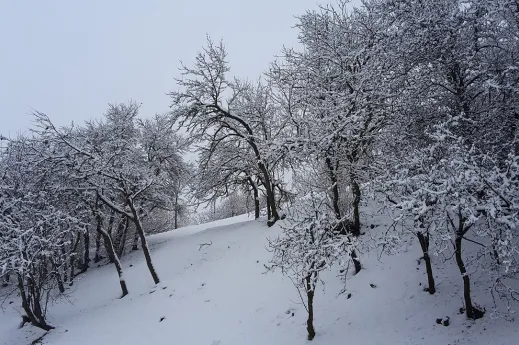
(204,244)
(468,239)
(39,339)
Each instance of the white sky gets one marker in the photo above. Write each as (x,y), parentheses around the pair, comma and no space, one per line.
(70,59)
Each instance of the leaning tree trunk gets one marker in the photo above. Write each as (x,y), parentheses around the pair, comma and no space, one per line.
(310,304)
(424,244)
(32,306)
(115,259)
(144,243)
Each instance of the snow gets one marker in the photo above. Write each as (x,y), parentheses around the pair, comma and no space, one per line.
(219,294)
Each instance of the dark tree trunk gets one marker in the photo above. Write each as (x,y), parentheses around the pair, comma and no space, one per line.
(494,240)
(119,234)
(332,173)
(176,206)
(255,194)
(256,205)
(6,280)
(310,304)
(424,244)
(99,225)
(269,212)
(356,204)
(176,217)
(469,308)
(356,261)
(31,305)
(274,216)
(115,259)
(344,228)
(111,221)
(61,286)
(73,256)
(86,252)
(144,243)
(122,244)
(65,264)
(135,240)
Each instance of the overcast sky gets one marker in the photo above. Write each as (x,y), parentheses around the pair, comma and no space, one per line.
(70,59)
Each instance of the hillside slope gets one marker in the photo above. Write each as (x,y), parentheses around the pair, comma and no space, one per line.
(221,294)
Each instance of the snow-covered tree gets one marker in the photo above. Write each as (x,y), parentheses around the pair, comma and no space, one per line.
(456,119)
(311,242)
(219,111)
(38,227)
(131,167)
(329,91)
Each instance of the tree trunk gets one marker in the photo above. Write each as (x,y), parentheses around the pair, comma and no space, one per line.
(176,207)
(344,229)
(61,286)
(6,280)
(65,264)
(256,205)
(274,217)
(255,193)
(119,234)
(99,225)
(176,217)
(144,243)
(269,212)
(310,304)
(356,203)
(356,262)
(135,240)
(73,257)
(86,251)
(469,308)
(332,173)
(115,259)
(34,314)
(122,244)
(424,244)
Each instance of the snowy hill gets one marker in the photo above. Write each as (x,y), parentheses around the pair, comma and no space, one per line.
(220,294)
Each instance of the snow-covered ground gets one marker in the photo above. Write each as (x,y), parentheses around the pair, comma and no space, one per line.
(221,295)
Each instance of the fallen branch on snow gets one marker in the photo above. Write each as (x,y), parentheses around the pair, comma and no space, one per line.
(204,244)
